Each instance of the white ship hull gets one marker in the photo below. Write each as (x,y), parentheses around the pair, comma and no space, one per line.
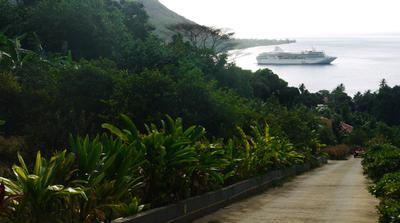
(303,61)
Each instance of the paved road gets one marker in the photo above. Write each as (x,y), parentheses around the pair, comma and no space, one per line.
(336,192)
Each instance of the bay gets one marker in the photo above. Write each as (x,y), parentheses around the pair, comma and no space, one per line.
(361,65)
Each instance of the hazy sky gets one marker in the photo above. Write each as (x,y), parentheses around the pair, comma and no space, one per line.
(293,18)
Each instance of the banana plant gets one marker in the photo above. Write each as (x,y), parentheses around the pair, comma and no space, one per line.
(12,55)
(46,194)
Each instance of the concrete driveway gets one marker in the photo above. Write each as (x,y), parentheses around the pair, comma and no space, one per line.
(336,192)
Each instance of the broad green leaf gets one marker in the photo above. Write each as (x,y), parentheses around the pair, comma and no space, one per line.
(20,173)
(23,165)
(38,164)
(116,131)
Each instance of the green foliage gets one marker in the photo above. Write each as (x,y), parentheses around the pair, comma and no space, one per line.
(45,194)
(12,55)
(91,29)
(299,125)
(211,171)
(381,164)
(266,84)
(381,159)
(341,103)
(381,104)
(389,211)
(173,156)
(359,137)
(180,162)
(110,169)
(48,100)
(261,152)
(327,136)
(106,177)
(94,183)
(388,186)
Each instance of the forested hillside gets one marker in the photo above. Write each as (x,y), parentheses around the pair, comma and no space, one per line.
(162,19)
(83,81)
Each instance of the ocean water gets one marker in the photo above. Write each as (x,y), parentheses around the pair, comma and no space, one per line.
(362,63)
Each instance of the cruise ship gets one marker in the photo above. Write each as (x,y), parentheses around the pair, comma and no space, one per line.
(279,57)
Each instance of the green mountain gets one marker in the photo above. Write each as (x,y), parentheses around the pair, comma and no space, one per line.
(162,17)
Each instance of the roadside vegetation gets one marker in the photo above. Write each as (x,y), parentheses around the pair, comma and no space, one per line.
(382,164)
(70,68)
(123,171)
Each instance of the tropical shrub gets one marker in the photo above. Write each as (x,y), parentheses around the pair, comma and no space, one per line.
(110,169)
(109,176)
(389,211)
(387,189)
(210,172)
(381,163)
(299,125)
(95,182)
(260,152)
(12,55)
(388,186)
(176,160)
(45,194)
(381,159)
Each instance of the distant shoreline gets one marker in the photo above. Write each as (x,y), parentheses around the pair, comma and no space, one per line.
(238,44)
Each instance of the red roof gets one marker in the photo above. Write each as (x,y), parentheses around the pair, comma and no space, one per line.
(346,128)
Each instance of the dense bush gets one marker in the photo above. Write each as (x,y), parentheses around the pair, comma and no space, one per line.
(381,104)
(389,210)
(381,159)
(260,152)
(388,186)
(338,152)
(43,193)
(92,184)
(174,156)
(381,163)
